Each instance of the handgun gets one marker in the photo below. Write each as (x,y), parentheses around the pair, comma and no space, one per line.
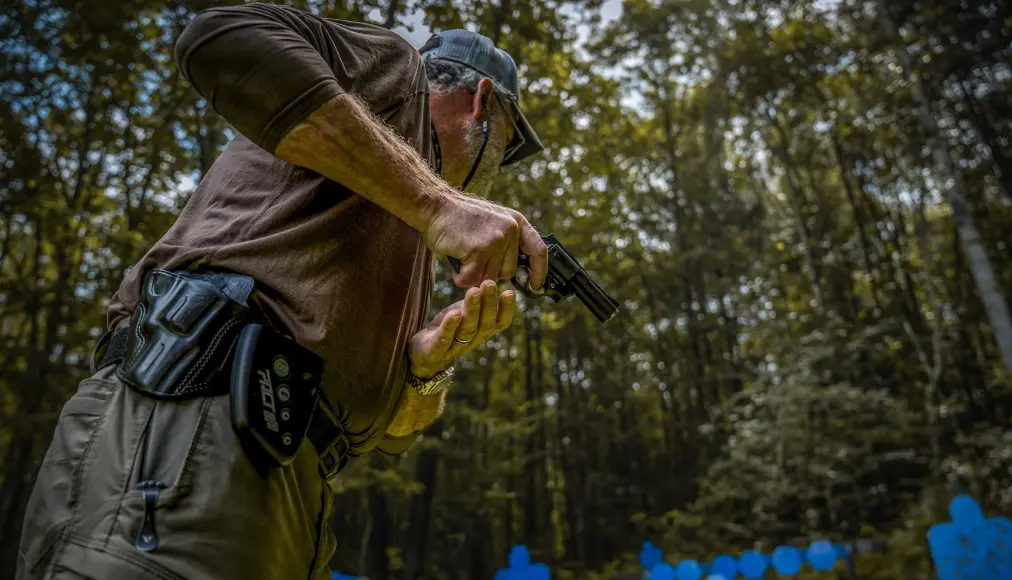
(565,278)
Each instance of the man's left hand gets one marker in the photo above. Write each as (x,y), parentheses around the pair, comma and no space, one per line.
(460,328)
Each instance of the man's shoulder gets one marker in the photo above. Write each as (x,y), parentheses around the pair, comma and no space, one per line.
(382,49)
(379,33)
(365,35)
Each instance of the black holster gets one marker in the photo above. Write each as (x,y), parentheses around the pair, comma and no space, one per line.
(182,333)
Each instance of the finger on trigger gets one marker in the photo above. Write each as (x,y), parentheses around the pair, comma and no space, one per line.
(469,271)
(511,254)
(491,267)
(537,250)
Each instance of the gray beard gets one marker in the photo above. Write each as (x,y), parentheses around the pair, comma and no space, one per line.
(488,168)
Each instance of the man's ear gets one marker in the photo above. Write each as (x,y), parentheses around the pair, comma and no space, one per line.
(480,103)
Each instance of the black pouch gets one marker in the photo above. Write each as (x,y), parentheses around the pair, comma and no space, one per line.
(182,332)
(275,390)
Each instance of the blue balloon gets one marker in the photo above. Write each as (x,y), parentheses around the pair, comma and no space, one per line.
(688,570)
(537,572)
(944,545)
(650,556)
(842,551)
(662,571)
(822,555)
(999,532)
(520,567)
(725,566)
(519,557)
(971,546)
(752,565)
(966,514)
(787,560)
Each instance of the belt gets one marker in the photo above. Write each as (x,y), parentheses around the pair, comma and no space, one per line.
(326,433)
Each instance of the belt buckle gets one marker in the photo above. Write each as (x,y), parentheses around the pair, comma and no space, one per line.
(334,457)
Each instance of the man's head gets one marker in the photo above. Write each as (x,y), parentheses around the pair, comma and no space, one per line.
(475,106)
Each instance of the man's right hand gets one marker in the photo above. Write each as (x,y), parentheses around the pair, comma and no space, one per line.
(486,238)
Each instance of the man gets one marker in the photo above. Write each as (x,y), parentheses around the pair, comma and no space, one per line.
(333,199)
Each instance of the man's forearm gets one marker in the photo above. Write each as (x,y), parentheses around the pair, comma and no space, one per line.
(345,142)
(416,412)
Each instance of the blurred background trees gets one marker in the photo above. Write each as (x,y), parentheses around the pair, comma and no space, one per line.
(804,208)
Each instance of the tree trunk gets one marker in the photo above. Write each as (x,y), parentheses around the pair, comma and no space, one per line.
(797,209)
(859,220)
(531,448)
(391,18)
(951,180)
(417,545)
(210,139)
(379,539)
(500,20)
(990,138)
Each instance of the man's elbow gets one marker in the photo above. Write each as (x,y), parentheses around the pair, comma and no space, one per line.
(416,414)
(196,33)
(201,67)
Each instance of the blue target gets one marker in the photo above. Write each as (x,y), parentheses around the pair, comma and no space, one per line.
(787,560)
(650,556)
(688,570)
(822,555)
(725,566)
(752,565)
(662,571)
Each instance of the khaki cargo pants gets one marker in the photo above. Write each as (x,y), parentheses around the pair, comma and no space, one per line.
(217,517)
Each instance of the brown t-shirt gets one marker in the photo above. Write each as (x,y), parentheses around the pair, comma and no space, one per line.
(347,279)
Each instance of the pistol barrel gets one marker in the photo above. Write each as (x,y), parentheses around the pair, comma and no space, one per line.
(593,297)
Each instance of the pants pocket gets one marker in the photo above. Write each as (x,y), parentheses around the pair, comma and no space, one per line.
(167,452)
(223,518)
(50,508)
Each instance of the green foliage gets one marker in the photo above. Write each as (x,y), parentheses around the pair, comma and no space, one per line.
(801,353)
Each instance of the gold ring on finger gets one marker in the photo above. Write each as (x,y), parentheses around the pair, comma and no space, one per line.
(457,340)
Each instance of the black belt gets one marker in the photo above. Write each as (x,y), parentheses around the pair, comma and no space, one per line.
(325,432)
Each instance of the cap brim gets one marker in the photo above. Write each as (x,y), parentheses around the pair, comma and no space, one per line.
(532,145)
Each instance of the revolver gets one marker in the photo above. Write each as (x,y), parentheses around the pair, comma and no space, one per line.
(565,278)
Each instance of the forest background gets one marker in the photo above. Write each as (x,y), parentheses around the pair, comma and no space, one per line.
(802,206)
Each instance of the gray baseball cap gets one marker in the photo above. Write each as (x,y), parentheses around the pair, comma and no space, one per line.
(478,53)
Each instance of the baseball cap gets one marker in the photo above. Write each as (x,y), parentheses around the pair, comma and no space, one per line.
(479,54)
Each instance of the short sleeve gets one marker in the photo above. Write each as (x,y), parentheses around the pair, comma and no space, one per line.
(265,68)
